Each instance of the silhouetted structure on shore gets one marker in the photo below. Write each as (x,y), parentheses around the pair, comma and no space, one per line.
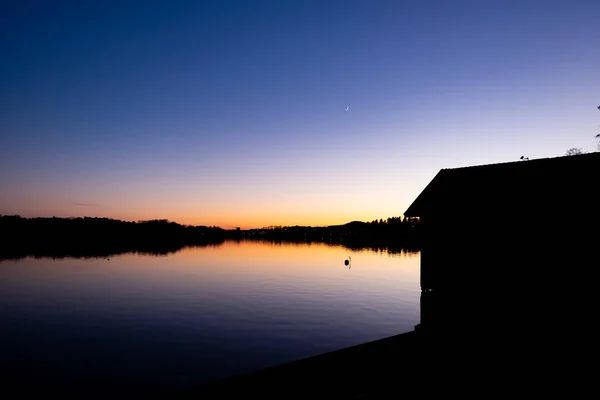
(523,293)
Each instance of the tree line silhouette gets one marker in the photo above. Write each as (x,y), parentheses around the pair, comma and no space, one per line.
(102,237)
(393,232)
(98,236)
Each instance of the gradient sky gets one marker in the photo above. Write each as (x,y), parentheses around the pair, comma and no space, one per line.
(233,113)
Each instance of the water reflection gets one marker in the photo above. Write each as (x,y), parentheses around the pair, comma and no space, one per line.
(196,314)
(99,251)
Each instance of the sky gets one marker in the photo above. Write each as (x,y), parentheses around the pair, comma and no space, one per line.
(257,113)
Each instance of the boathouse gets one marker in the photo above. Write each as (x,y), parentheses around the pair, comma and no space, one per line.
(511,240)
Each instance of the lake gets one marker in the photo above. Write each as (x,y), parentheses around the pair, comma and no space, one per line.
(148,324)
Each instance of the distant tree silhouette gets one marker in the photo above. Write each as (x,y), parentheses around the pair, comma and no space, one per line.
(573,151)
(92,237)
(101,236)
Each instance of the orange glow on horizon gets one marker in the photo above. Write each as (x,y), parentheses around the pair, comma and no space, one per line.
(264,219)
(245,214)
(252,222)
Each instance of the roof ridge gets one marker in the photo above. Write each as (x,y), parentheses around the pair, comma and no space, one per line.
(520,161)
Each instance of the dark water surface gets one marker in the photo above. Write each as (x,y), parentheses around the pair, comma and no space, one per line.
(149,324)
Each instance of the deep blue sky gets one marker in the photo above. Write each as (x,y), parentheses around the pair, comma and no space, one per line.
(234,112)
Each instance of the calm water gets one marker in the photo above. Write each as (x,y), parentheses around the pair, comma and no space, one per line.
(149,323)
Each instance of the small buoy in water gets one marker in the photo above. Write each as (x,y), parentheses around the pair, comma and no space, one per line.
(347,262)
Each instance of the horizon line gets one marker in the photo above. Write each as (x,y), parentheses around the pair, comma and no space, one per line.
(207,226)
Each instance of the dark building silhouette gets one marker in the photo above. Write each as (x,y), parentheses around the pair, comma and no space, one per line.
(519,208)
(508,260)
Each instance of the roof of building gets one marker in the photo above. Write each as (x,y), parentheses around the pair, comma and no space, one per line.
(561,181)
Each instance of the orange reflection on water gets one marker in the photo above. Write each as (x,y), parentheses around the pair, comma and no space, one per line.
(231,267)
(247,255)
